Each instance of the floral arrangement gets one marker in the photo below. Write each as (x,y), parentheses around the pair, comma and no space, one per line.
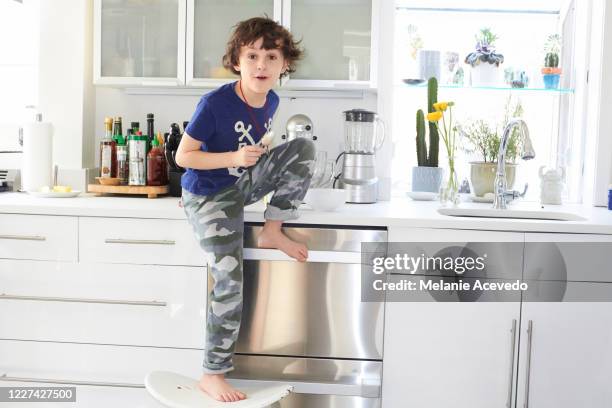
(449,137)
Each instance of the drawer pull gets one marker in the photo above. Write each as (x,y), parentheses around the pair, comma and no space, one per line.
(24,237)
(83,300)
(5,377)
(139,241)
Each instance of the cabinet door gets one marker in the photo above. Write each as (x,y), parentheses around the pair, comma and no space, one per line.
(139,43)
(337,37)
(565,358)
(438,355)
(209,26)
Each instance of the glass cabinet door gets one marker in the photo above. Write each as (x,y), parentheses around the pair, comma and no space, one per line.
(209,26)
(139,40)
(336,35)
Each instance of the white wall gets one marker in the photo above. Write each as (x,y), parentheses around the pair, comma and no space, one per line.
(66,93)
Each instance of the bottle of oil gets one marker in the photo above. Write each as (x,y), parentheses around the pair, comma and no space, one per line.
(108,151)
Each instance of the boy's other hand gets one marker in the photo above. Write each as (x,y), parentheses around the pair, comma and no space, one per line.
(247,156)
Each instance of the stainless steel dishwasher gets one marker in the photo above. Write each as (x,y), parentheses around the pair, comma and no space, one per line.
(305,324)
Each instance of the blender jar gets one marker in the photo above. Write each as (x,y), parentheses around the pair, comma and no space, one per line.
(361,131)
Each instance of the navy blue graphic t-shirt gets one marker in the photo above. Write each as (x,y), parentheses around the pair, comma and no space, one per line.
(222,123)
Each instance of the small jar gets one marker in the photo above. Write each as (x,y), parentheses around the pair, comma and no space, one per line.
(610,197)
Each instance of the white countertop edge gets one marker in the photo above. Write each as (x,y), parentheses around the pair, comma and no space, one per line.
(398,212)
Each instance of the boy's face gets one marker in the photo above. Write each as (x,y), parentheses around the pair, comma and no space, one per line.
(260,68)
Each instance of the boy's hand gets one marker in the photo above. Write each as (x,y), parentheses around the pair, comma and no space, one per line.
(247,156)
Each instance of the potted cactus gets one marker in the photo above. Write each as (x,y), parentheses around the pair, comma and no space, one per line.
(551,72)
(484,60)
(427,176)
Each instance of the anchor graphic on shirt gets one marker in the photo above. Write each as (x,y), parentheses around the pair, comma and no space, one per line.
(239,128)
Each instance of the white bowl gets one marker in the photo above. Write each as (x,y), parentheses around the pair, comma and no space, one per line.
(325,199)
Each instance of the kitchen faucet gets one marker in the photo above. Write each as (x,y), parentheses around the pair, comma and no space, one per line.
(501,195)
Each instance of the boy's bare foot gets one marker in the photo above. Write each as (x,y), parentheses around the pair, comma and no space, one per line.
(216,387)
(272,237)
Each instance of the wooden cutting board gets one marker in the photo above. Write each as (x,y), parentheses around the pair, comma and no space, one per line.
(150,191)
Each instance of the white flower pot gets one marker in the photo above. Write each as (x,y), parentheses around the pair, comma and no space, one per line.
(485,74)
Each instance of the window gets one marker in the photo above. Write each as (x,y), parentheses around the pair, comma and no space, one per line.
(449,28)
(18,67)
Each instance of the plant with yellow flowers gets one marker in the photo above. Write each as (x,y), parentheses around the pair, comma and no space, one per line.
(443,112)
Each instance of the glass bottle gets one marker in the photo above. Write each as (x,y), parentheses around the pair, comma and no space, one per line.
(123,166)
(157,169)
(108,151)
(150,130)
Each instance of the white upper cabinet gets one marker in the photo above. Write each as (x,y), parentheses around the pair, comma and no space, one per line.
(182,42)
(139,42)
(209,26)
(338,42)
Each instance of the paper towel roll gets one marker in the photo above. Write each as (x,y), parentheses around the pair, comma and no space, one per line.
(37,156)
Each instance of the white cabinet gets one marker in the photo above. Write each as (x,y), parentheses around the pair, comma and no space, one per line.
(181,42)
(143,305)
(139,43)
(338,37)
(565,358)
(441,354)
(138,241)
(209,26)
(41,237)
(517,353)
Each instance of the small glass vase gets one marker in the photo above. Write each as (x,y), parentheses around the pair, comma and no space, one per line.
(449,191)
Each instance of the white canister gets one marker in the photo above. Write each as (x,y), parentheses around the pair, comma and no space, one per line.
(551,185)
(37,155)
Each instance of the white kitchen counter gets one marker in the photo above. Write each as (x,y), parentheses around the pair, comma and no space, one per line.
(399,212)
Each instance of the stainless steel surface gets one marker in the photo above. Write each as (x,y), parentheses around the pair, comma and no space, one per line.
(309,310)
(139,241)
(5,377)
(512,347)
(54,176)
(358,177)
(501,195)
(313,375)
(84,300)
(528,368)
(299,126)
(322,239)
(304,323)
(23,237)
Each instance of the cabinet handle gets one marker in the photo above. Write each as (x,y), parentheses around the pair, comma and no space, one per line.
(83,300)
(529,341)
(24,237)
(139,241)
(512,346)
(5,377)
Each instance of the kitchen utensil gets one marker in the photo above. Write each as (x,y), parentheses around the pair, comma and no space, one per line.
(361,134)
(299,126)
(177,391)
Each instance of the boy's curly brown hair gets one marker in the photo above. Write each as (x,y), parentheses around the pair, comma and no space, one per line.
(274,35)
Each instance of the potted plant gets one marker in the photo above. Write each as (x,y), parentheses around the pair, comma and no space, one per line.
(484,141)
(484,60)
(551,72)
(427,176)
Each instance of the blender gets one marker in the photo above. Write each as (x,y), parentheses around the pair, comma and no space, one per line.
(362,139)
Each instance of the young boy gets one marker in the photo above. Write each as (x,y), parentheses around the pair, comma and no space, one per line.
(228,169)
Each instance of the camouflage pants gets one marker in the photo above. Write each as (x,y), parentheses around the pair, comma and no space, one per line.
(218,223)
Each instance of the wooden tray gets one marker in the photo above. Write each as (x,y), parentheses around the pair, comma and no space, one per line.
(150,191)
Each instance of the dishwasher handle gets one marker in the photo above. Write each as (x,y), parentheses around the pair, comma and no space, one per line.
(368,389)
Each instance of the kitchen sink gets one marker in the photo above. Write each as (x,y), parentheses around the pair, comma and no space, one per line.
(531,214)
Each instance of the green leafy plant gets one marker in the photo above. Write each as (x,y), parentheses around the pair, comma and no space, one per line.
(484,140)
(431,159)
(485,49)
